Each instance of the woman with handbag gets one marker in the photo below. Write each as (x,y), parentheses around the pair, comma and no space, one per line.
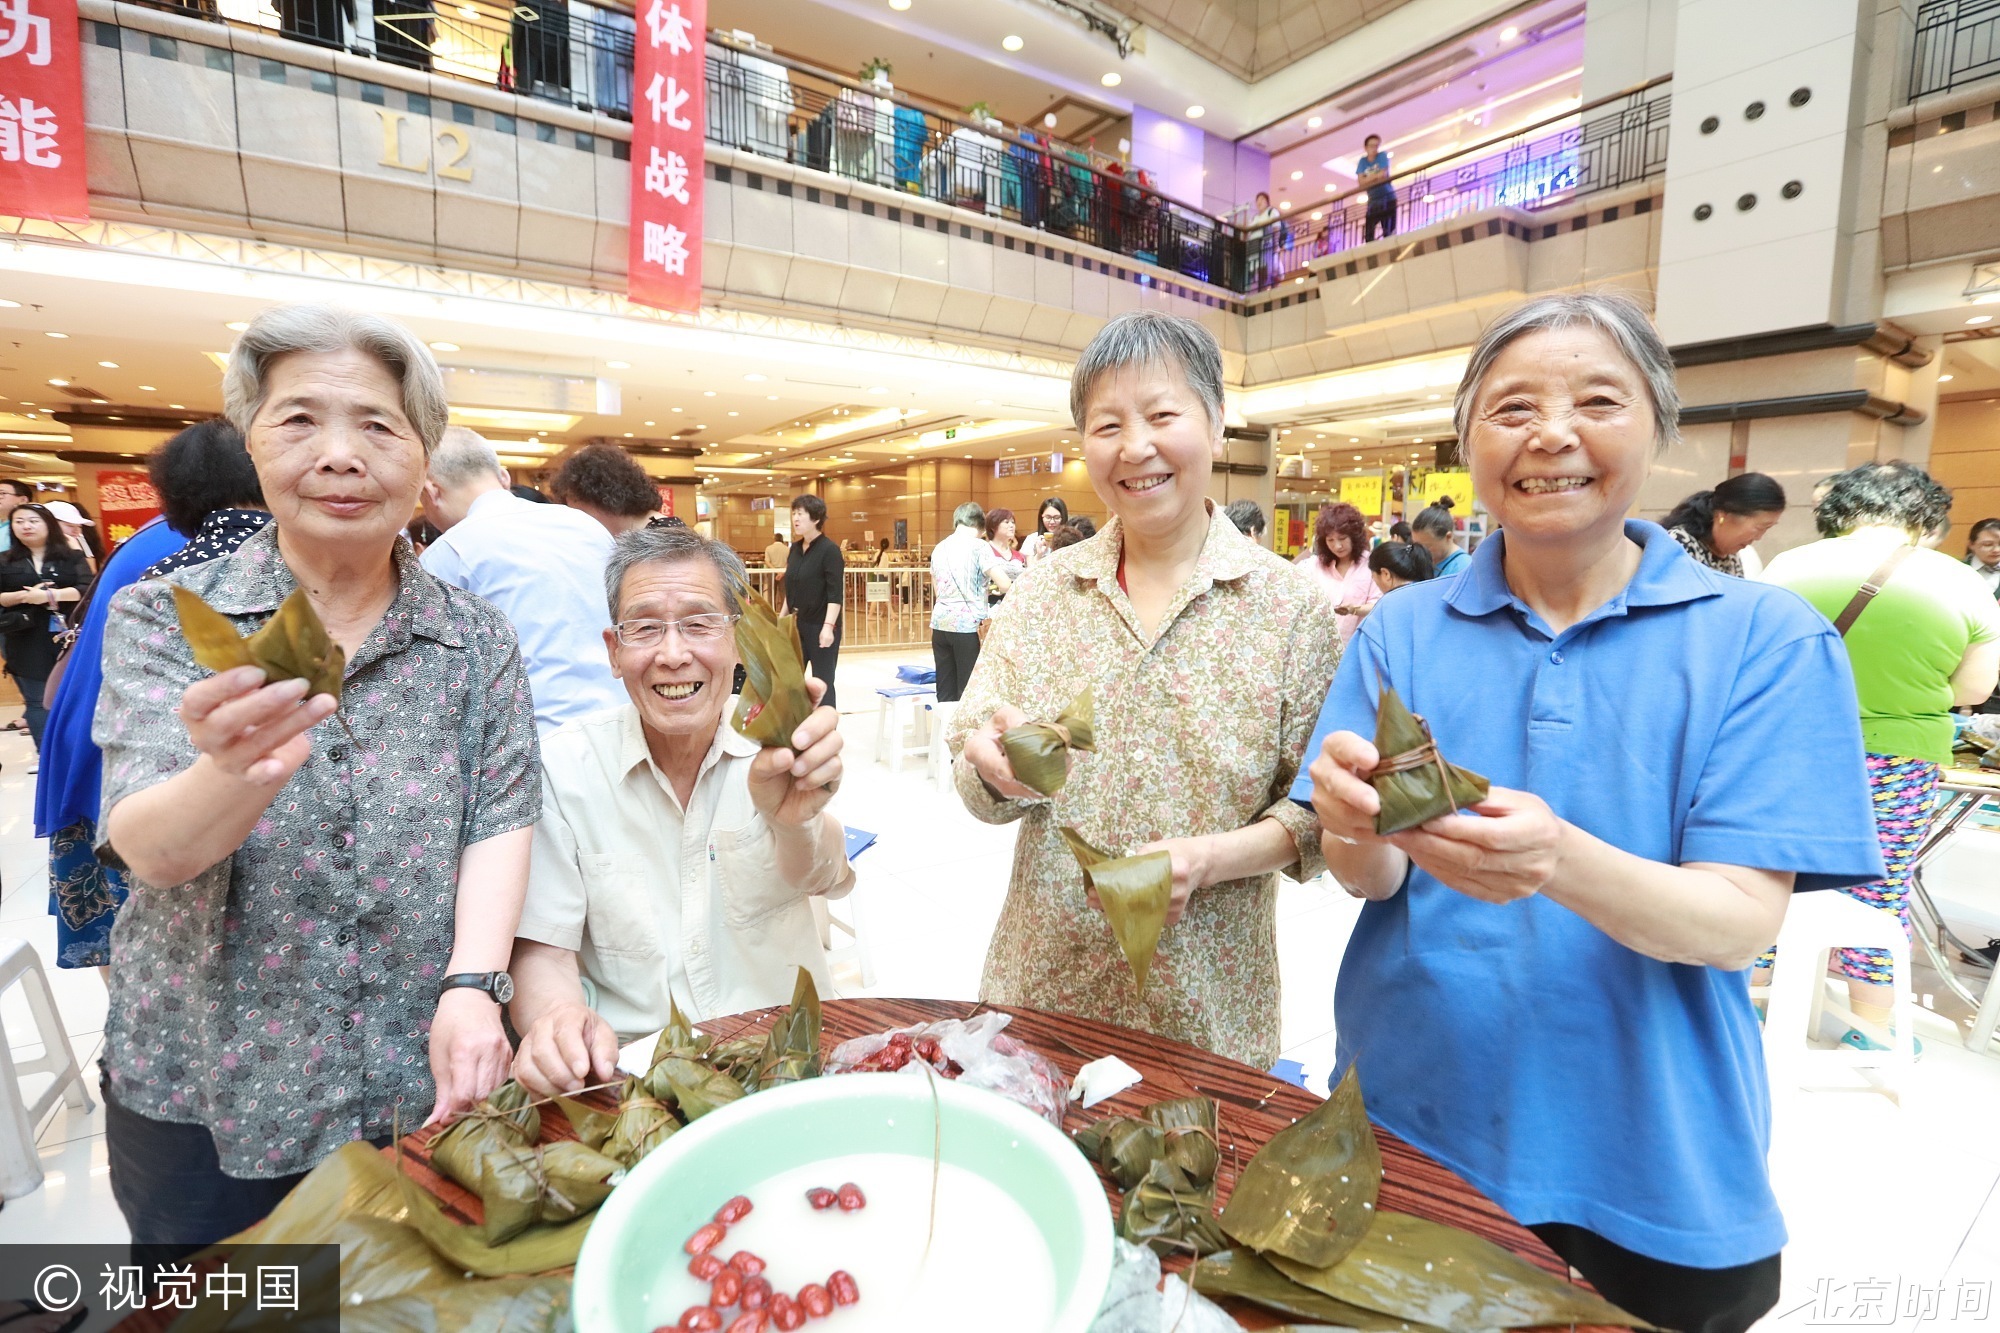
(39,573)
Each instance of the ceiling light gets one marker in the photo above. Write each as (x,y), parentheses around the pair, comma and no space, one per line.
(770,397)
(1980,319)
(1418,440)
(876,388)
(1357,458)
(652,423)
(59,383)
(1509,33)
(5,304)
(732,414)
(444,347)
(1049,121)
(899,4)
(1112,79)
(237,325)
(619,365)
(1329,187)
(1011,43)
(109,365)
(1298,175)
(628,434)
(177,407)
(511,419)
(676,409)
(708,393)
(1196,112)
(1944,379)
(753,378)
(1314,122)
(1354,439)
(147,388)
(58,335)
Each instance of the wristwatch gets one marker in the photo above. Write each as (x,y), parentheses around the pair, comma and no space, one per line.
(496,984)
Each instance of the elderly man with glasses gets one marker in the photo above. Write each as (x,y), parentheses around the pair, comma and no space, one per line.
(674,860)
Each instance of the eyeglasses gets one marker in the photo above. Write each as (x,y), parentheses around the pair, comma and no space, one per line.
(695,629)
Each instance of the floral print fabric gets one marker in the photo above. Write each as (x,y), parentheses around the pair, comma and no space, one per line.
(1200,729)
(283,997)
(1731,565)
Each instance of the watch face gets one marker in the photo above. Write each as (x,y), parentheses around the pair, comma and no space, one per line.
(503,988)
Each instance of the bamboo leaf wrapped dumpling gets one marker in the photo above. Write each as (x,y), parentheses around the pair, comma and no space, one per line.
(791,1049)
(504,1120)
(1135,892)
(642,1124)
(1415,783)
(558,1182)
(1039,751)
(1171,1213)
(292,645)
(774,700)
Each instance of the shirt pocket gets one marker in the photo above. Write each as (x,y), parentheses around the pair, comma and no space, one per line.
(746,859)
(619,912)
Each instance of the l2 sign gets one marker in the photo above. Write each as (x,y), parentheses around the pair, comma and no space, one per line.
(669,115)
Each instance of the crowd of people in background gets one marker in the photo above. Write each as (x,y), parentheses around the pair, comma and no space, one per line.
(531,802)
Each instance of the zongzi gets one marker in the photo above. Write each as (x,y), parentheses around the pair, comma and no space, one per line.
(1135,892)
(1039,751)
(774,700)
(1171,1213)
(642,1124)
(559,1182)
(791,1049)
(292,645)
(504,1120)
(1415,783)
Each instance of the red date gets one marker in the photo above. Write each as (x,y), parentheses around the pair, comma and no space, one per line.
(750,1321)
(734,1211)
(850,1198)
(785,1312)
(746,1263)
(701,1319)
(707,1238)
(756,1293)
(840,1285)
(726,1290)
(821,1199)
(705,1267)
(816,1300)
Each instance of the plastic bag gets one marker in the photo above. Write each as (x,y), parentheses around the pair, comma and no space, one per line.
(984,1055)
(1136,1301)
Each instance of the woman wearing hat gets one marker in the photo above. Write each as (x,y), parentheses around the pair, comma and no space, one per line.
(78,530)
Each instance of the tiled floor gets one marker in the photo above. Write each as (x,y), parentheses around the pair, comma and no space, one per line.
(1906,1197)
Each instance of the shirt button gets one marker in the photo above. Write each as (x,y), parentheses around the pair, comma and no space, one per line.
(347,1025)
(347,937)
(1556,658)
(337,753)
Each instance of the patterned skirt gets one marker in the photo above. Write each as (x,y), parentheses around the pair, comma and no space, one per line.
(1904,791)
(84,896)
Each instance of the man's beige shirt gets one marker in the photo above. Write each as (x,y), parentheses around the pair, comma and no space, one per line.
(659,901)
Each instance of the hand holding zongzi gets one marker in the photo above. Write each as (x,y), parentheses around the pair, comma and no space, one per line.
(250,730)
(790,784)
(988,757)
(1511,853)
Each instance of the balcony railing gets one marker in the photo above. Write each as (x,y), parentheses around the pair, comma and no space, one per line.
(1613,141)
(1958,42)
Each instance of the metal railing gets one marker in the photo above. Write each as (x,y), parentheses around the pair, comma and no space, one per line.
(1958,42)
(889,607)
(1611,142)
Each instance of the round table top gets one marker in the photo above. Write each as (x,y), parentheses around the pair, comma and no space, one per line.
(1252,1106)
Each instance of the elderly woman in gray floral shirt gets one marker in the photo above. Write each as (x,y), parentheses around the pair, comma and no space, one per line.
(321,914)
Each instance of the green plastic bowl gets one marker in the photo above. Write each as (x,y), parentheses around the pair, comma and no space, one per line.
(641,1227)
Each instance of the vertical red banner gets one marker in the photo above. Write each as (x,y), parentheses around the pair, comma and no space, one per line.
(125,501)
(669,115)
(41,111)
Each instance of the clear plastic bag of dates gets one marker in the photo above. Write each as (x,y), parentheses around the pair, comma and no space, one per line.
(978,1054)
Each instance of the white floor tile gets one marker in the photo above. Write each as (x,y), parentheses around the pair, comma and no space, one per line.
(74,1203)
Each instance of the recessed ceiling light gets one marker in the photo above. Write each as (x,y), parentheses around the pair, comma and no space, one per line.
(754,378)
(732,414)
(178,407)
(58,335)
(1980,319)
(6,304)
(1354,439)
(676,409)
(1357,458)
(1298,175)
(1011,43)
(1418,440)
(1314,122)
(1328,187)
(109,365)
(147,388)
(983,402)
(1509,33)
(444,347)
(628,434)
(619,365)
(708,393)
(899,4)
(876,388)
(1112,79)
(649,423)
(1196,112)
(59,383)
(770,397)
(238,325)
(1944,379)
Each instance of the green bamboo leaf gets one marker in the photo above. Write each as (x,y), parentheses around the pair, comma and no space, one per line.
(1039,751)
(1135,892)
(1415,795)
(1309,1194)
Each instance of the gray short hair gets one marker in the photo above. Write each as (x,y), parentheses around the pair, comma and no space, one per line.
(1617,316)
(670,545)
(1149,338)
(464,455)
(969,515)
(285,329)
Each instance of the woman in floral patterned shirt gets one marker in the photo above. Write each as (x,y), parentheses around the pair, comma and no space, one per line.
(301,884)
(1209,657)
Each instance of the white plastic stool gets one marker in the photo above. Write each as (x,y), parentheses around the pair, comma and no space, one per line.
(20,1166)
(904,708)
(940,755)
(856,948)
(1815,924)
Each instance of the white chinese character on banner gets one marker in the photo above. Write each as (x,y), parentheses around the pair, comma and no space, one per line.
(666,246)
(667,105)
(277,1286)
(228,1285)
(668,176)
(174,1287)
(22,31)
(124,1287)
(28,134)
(670,28)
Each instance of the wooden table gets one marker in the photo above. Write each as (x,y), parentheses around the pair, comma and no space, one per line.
(1252,1106)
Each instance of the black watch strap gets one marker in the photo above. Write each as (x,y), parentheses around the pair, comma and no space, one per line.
(497,985)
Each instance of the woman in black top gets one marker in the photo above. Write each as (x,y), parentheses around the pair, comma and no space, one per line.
(39,574)
(815,577)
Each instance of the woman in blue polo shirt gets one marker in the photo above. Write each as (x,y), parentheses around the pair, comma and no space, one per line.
(1552,998)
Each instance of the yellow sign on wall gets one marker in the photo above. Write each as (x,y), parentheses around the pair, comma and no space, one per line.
(1364,493)
(1454,482)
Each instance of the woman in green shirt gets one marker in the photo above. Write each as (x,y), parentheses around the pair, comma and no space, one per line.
(1928,640)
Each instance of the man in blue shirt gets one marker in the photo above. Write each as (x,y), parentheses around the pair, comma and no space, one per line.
(1372,172)
(542,565)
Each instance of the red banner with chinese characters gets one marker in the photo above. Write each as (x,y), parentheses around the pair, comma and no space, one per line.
(125,500)
(41,111)
(669,113)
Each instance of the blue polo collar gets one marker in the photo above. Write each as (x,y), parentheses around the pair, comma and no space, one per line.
(1667,575)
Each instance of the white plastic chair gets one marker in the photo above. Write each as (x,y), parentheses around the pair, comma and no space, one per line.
(904,708)
(1815,924)
(856,948)
(20,1165)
